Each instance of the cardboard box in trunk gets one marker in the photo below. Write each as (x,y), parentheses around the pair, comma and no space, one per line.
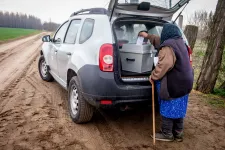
(137,58)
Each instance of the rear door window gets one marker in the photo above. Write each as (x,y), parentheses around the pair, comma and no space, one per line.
(72,32)
(86,30)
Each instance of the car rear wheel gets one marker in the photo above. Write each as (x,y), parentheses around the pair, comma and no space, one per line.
(80,110)
(43,70)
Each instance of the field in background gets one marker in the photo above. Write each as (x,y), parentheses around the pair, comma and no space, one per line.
(13,33)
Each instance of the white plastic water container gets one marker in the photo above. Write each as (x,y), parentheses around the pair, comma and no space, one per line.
(137,58)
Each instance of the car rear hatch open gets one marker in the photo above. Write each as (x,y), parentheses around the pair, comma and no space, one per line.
(149,8)
(129,18)
(134,62)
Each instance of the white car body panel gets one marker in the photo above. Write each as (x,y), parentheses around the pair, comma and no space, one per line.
(81,54)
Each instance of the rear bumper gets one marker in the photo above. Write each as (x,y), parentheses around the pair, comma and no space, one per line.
(97,85)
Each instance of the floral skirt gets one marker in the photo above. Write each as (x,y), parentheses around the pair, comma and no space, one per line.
(175,108)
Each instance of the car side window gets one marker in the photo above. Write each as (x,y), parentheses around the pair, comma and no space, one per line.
(72,32)
(86,30)
(61,33)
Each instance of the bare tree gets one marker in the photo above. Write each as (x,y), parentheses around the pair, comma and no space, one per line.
(201,19)
(213,56)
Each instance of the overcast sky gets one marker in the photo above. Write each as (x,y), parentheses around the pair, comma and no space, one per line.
(60,10)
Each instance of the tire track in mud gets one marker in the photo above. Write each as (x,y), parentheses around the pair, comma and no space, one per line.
(113,134)
(18,48)
(24,55)
(50,95)
(15,62)
(15,50)
(5,93)
(14,44)
(107,133)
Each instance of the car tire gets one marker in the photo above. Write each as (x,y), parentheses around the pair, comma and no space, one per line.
(43,70)
(80,110)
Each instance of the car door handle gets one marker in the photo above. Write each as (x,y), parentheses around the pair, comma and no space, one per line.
(56,51)
(128,59)
(68,53)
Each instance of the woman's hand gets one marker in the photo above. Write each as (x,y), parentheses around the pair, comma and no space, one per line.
(150,80)
(143,34)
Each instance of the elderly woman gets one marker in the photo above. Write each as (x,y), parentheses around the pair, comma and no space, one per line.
(173,76)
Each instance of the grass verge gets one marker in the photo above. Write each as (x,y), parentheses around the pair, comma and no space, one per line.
(211,99)
(215,100)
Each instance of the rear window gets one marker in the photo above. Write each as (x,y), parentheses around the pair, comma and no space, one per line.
(128,33)
(160,3)
(86,30)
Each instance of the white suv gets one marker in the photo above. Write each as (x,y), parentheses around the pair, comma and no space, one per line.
(83,56)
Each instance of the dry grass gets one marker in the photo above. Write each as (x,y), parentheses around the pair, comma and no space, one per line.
(198,55)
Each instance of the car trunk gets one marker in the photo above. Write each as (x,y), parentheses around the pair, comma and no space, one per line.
(134,63)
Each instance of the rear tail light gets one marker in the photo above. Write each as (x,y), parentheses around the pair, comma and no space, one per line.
(106,58)
(190,54)
(106,102)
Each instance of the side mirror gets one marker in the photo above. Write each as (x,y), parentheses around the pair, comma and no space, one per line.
(46,38)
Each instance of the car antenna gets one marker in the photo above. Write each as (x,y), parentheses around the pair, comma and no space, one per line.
(180,13)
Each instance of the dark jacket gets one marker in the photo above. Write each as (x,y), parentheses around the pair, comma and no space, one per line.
(173,69)
(180,78)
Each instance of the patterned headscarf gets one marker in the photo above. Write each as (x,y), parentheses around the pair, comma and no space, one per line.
(170,31)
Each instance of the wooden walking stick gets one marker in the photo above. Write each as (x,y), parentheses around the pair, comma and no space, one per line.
(153,111)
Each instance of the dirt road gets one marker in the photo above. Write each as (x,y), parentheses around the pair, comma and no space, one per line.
(34,116)
(15,57)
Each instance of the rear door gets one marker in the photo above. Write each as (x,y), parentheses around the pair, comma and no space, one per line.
(67,49)
(148,8)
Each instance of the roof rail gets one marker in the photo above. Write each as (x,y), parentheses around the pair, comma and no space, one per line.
(90,11)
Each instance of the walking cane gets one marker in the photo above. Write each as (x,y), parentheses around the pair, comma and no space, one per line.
(153,111)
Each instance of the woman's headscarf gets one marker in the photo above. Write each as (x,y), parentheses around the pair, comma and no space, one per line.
(170,31)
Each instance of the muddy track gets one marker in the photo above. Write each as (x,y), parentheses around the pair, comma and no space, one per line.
(34,116)
(15,60)
(18,48)
(16,43)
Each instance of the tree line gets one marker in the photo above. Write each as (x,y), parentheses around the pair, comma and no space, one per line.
(20,20)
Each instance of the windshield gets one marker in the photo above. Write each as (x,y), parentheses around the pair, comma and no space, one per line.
(160,3)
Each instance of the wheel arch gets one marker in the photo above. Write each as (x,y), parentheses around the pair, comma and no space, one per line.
(70,73)
(41,52)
